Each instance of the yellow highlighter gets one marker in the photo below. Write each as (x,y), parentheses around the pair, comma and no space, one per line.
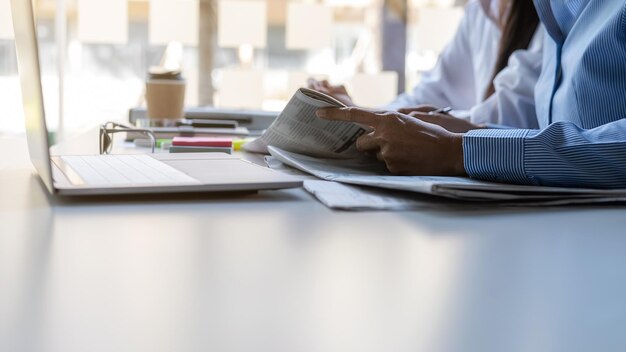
(239,143)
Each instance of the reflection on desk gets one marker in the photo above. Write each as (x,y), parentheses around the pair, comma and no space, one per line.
(278,271)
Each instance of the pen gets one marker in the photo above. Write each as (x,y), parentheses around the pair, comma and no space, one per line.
(443,111)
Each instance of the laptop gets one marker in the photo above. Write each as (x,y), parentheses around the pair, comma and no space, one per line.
(77,175)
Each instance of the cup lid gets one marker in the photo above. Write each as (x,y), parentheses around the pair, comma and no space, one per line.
(158,72)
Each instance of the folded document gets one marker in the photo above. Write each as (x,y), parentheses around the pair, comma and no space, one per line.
(348,197)
(371,172)
(298,129)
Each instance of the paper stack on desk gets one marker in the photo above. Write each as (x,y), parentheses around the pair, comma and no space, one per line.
(201,145)
(189,131)
(343,196)
(371,172)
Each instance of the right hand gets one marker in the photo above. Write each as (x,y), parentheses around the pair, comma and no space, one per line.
(407,145)
(449,122)
(338,92)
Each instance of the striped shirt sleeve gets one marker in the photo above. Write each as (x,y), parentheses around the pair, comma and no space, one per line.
(560,155)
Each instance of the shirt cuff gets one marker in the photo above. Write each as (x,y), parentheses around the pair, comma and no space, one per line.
(496,155)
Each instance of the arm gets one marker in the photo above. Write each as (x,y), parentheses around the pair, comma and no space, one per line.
(560,155)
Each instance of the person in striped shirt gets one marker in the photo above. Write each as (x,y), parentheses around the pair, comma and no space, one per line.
(580,101)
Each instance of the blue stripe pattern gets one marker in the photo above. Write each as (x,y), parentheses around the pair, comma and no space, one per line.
(582,89)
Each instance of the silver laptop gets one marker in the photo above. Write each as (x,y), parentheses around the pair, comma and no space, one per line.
(122,174)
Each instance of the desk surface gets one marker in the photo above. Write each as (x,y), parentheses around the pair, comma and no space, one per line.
(278,271)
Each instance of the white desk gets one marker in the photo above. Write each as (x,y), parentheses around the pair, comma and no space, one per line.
(279,272)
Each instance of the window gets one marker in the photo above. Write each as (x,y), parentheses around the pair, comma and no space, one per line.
(111,44)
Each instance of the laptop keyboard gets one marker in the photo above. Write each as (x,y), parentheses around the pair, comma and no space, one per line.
(114,170)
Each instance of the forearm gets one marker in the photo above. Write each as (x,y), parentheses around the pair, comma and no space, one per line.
(560,155)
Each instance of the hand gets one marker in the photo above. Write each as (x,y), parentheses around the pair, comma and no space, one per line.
(449,122)
(419,108)
(407,145)
(338,92)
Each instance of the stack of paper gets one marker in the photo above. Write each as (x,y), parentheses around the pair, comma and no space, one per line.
(347,197)
(369,172)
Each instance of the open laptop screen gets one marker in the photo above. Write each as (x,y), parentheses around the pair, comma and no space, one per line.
(32,97)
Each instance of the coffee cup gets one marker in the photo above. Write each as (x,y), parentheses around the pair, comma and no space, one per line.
(165,94)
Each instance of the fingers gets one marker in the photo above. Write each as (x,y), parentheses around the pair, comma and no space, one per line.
(419,108)
(350,114)
(367,143)
(439,120)
(314,84)
(434,119)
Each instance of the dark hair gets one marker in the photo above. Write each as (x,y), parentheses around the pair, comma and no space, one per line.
(519,21)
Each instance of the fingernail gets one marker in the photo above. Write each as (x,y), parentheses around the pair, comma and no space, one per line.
(321,113)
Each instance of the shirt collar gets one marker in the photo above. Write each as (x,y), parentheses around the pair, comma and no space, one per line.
(546,14)
(559,16)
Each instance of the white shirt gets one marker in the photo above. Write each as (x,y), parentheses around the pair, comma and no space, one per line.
(465,68)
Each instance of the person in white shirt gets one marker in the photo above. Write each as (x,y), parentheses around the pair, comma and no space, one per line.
(487,73)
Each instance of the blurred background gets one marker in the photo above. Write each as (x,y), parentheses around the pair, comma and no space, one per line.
(250,54)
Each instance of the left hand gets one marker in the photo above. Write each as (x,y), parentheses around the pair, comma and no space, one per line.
(338,92)
(407,145)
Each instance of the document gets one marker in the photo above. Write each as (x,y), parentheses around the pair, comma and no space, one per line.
(371,172)
(342,196)
(299,130)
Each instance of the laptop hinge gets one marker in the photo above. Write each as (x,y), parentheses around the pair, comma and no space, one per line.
(67,171)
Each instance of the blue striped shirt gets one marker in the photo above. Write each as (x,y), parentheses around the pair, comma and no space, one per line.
(580,101)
